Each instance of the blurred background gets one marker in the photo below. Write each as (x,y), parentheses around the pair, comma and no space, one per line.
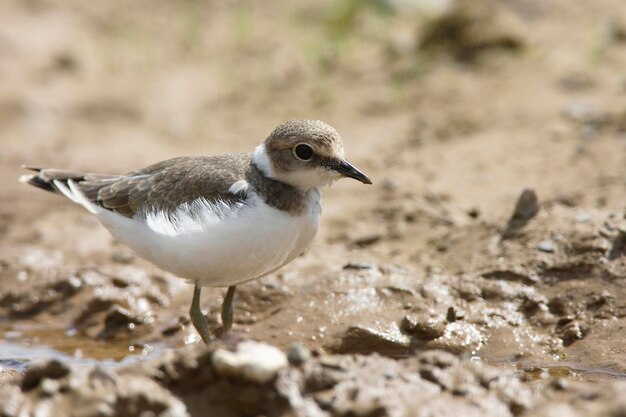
(496,84)
(452,107)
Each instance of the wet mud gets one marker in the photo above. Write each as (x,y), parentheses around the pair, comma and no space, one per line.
(257,379)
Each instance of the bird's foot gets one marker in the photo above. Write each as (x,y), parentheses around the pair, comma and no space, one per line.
(231,337)
(201,326)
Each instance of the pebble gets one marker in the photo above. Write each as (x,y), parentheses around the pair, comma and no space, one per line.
(252,361)
(423,326)
(298,354)
(364,340)
(473,212)
(547,246)
(408,323)
(526,207)
(358,266)
(49,387)
(582,217)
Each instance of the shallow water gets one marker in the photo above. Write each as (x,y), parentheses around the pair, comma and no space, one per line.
(570,370)
(537,369)
(45,344)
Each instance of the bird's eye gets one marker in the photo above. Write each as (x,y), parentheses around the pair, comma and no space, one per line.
(303,152)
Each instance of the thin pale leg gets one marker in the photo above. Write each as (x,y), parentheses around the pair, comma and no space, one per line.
(227,309)
(197,318)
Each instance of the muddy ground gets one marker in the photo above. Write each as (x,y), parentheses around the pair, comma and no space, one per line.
(484,272)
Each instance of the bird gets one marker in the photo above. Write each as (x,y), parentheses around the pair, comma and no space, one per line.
(217,221)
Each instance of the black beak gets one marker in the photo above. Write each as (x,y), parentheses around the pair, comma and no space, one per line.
(348,170)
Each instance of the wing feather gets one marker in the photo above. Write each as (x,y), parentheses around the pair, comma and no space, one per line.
(164,187)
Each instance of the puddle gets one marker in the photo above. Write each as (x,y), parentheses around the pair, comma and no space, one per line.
(34,344)
(537,370)
(569,370)
(18,357)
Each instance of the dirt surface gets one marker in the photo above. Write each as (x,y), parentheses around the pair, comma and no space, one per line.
(484,272)
(257,379)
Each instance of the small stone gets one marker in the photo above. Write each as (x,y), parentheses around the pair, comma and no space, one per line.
(408,323)
(582,217)
(357,266)
(49,387)
(473,212)
(453,315)
(425,327)
(252,361)
(364,340)
(298,354)
(547,246)
(526,207)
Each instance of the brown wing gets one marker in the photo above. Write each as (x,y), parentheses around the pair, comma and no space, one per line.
(162,186)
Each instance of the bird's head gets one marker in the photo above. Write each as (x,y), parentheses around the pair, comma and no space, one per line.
(305,154)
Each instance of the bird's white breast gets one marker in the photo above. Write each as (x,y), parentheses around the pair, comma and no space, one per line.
(219,244)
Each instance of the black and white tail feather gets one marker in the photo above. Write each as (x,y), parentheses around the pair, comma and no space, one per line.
(63,182)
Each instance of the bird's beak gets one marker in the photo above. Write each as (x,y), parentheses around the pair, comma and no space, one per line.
(348,170)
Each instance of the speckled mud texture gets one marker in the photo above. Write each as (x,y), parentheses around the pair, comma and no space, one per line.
(256,379)
(483,274)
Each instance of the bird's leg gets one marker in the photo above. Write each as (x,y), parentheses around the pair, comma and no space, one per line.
(227,309)
(197,318)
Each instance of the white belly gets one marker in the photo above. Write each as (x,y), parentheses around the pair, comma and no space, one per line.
(224,250)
